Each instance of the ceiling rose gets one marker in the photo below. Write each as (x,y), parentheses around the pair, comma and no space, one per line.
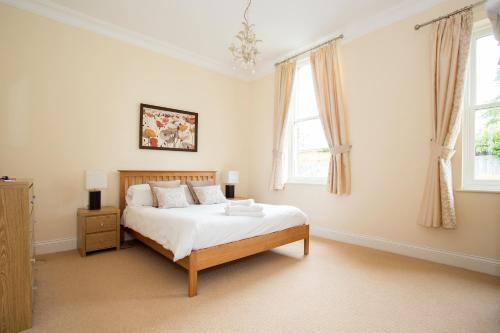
(244,48)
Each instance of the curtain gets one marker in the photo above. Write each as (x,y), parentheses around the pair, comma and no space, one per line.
(328,89)
(493,12)
(283,82)
(451,43)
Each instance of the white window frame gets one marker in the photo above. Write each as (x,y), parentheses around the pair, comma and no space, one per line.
(481,29)
(291,151)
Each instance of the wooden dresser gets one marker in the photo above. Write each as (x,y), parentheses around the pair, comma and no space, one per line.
(16,255)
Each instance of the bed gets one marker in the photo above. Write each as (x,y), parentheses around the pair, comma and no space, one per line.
(217,238)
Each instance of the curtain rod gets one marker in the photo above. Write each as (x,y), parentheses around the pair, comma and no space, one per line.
(418,26)
(309,50)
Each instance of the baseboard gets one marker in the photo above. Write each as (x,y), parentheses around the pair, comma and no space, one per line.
(55,245)
(471,262)
(60,245)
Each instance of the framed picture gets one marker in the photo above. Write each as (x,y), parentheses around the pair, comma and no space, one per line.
(168,129)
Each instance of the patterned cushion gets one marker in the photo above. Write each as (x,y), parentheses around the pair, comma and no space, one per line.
(189,196)
(209,195)
(198,183)
(171,197)
(164,184)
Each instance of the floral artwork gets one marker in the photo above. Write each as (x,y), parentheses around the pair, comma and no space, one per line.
(168,129)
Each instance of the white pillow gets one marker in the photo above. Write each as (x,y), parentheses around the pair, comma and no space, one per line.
(209,195)
(171,197)
(189,197)
(139,195)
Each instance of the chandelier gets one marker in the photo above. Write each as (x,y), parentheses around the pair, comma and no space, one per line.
(246,52)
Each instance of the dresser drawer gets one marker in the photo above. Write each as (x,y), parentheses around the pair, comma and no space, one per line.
(99,241)
(100,223)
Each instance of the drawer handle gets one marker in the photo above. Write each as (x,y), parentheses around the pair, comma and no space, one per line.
(33,260)
(102,224)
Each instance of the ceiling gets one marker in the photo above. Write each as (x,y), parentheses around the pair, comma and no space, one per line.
(200,31)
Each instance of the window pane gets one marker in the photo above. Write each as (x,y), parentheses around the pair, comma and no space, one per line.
(487,70)
(312,164)
(305,101)
(309,135)
(487,145)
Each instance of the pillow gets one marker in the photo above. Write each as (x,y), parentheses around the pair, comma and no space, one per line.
(164,184)
(198,183)
(139,195)
(189,197)
(209,195)
(171,197)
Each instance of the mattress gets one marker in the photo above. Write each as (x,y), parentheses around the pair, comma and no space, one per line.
(182,230)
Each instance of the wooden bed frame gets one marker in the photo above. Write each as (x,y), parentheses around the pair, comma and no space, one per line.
(211,256)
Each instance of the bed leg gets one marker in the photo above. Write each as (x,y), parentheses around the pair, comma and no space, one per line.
(306,242)
(122,235)
(193,276)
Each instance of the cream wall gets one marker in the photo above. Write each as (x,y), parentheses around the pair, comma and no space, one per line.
(387,84)
(69,101)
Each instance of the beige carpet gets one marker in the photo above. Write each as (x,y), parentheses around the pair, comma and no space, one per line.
(337,288)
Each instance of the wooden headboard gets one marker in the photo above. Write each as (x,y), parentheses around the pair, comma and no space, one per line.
(134,177)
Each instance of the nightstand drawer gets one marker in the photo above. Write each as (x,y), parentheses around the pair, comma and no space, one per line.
(99,241)
(101,223)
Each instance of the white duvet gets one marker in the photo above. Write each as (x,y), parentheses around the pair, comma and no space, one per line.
(182,230)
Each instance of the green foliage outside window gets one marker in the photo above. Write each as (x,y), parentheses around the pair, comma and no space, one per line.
(488,140)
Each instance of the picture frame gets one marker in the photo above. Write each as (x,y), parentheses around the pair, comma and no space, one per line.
(163,128)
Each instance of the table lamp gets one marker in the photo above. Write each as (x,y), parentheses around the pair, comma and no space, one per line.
(95,181)
(230,178)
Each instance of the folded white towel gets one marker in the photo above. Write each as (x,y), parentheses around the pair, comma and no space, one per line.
(247,202)
(253,208)
(251,214)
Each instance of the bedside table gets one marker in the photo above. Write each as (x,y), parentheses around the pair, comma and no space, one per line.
(98,229)
(236,198)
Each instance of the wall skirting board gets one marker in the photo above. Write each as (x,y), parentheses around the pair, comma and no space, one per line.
(474,263)
(55,245)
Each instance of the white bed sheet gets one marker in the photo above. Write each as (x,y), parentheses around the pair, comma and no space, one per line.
(182,230)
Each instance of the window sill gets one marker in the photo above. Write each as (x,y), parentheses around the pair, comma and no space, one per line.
(306,182)
(478,190)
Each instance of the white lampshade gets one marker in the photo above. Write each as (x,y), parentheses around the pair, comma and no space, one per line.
(231,177)
(96,180)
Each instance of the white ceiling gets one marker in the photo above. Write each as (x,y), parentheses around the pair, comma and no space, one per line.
(200,31)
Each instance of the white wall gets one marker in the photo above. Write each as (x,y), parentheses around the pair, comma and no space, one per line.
(69,101)
(387,83)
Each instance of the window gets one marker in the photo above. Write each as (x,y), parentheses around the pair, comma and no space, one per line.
(481,131)
(307,155)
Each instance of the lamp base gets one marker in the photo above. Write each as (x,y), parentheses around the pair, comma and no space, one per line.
(94,200)
(230,191)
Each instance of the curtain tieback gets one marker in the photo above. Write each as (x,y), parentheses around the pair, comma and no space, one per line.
(340,149)
(277,154)
(442,152)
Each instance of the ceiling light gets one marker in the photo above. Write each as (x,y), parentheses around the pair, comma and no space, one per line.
(246,52)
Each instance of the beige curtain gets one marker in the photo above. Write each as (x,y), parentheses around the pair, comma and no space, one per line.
(493,12)
(451,44)
(328,88)
(283,82)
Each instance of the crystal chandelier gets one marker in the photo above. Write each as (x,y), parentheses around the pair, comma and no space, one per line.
(246,53)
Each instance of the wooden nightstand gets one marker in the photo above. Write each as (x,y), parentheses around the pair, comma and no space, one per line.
(236,198)
(98,229)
